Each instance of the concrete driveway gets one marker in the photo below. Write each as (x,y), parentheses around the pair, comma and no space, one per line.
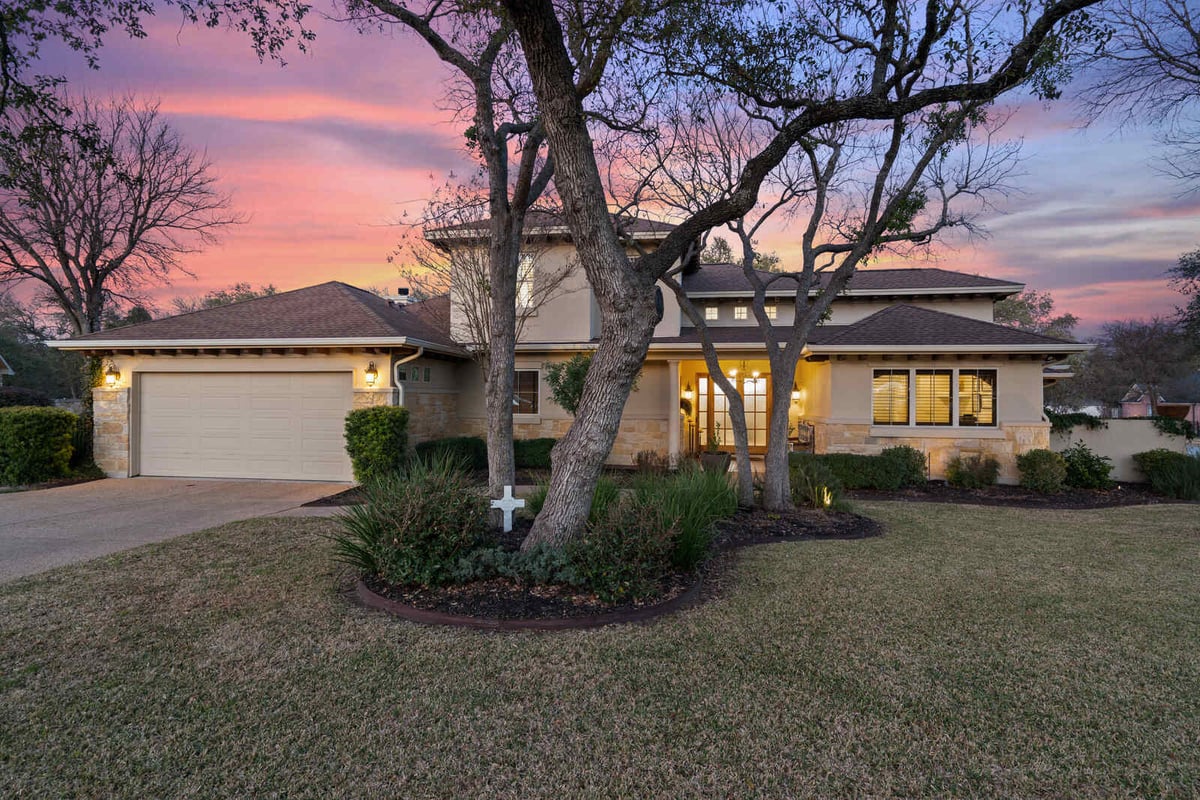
(51,527)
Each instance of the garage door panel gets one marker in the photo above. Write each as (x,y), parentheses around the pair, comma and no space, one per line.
(254,425)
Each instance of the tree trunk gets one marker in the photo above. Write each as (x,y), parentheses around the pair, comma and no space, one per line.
(777,484)
(502,336)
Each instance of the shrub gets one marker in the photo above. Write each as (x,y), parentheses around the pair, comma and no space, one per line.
(652,461)
(81,442)
(909,464)
(1085,469)
(470,451)
(35,444)
(17,396)
(537,498)
(1043,471)
(689,501)
(530,453)
(376,440)
(540,566)
(1170,473)
(607,493)
(814,484)
(624,553)
(414,524)
(972,472)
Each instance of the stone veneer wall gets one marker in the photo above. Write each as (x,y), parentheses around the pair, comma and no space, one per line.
(369,398)
(634,435)
(110,431)
(1016,439)
(431,415)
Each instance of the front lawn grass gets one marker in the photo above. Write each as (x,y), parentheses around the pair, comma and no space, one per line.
(968,652)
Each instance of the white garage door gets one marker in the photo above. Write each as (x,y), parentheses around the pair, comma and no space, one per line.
(283,425)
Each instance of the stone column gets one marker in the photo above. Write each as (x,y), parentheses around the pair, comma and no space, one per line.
(673,412)
(110,430)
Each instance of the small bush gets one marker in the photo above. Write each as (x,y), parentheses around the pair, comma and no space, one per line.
(35,444)
(16,396)
(607,493)
(530,453)
(414,524)
(689,501)
(652,461)
(376,440)
(1043,471)
(814,484)
(1085,469)
(81,442)
(624,553)
(909,464)
(541,566)
(1170,473)
(470,451)
(972,472)
(537,498)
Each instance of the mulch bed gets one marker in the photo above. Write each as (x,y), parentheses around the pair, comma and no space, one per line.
(501,603)
(1124,494)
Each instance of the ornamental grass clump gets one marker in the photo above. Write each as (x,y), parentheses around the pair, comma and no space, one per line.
(414,524)
(815,485)
(688,501)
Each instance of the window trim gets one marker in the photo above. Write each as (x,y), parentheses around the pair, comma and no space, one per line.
(741,312)
(525,266)
(537,391)
(955,417)
(712,313)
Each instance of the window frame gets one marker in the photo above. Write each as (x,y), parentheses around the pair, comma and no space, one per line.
(712,313)
(956,374)
(771,310)
(741,312)
(526,277)
(537,392)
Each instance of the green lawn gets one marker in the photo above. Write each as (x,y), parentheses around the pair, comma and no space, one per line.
(969,652)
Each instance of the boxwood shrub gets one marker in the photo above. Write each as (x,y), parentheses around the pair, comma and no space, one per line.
(469,451)
(1170,473)
(35,444)
(1086,469)
(377,440)
(894,468)
(1042,471)
(973,471)
(533,453)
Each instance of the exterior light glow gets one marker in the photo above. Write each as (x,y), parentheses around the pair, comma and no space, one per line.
(755,374)
(112,376)
(371,374)
(688,394)
(795,391)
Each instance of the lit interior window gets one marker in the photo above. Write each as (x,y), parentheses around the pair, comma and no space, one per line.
(889,397)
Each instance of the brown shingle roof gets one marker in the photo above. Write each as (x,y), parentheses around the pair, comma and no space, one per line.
(332,310)
(905,325)
(731,278)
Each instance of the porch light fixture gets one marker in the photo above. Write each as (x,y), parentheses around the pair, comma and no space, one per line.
(112,376)
(688,394)
(795,391)
(733,372)
(371,374)
(755,374)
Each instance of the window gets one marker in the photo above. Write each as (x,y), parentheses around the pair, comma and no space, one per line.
(889,397)
(739,312)
(977,397)
(770,311)
(934,404)
(711,313)
(525,391)
(934,395)
(401,374)
(525,282)
(427,374)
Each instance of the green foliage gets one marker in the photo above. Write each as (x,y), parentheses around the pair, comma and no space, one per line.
(537,498)
(81,441)
(470,451)
(1085,469)
(35,444)
(541,566)
(377,440)
(624,552)
(1175,427)
(566,380)
(652,461)
(1043,471)
(1033,311)
(688,501)
(1170,473)
(1065,423)
(414,524)
(607,493)
(814,483)
(972,472)
(892,469)
(16,396)
(532,453)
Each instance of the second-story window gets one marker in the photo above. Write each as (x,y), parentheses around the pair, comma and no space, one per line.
(525,282)
(771,312)
(711,313)
(739,312)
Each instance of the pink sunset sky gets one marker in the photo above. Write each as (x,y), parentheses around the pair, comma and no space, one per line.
(325,154)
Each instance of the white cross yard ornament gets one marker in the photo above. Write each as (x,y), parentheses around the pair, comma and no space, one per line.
(508,504)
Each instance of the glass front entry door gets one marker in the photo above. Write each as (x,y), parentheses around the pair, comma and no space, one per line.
(713,412)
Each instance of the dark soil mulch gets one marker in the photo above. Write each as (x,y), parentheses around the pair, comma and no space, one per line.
(501,598)
(1124,494)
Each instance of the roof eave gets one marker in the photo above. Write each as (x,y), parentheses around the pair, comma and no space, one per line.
(210,344)
(836,349)
(944,290)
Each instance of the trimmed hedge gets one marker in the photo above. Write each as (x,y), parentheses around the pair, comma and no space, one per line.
(972,472)
(1043,471)
(472,451)
(377,441)
(16,396)
(35,444)
(1170,473)
(894,468)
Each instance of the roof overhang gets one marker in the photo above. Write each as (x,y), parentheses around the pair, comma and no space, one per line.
(944,291)
(1065,347)
(546,231)
(251,344)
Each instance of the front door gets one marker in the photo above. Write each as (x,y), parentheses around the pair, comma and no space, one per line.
(713,412)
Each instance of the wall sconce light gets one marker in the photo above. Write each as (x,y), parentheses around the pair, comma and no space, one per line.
(112,376)
(688,394)
(795,392)
(755,374)
(371,374)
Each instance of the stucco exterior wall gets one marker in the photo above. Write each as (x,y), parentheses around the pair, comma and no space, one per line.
(1119,441)
(843,311)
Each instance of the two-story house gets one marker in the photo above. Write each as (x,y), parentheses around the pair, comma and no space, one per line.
(259,389)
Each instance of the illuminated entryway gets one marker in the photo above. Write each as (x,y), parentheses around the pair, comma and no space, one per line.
(713,420)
